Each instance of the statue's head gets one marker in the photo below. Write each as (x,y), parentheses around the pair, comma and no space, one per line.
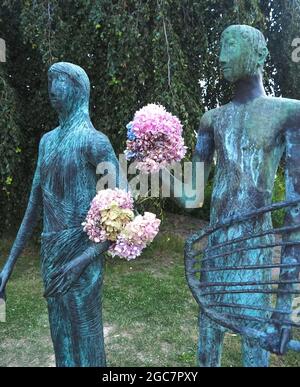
(243,52)
(69,87)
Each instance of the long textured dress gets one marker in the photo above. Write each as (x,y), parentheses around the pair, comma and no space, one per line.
(64,185)
(66,173)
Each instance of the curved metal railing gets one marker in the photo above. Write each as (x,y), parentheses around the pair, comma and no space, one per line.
(246,318)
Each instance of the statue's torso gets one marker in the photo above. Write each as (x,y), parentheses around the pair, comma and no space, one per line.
(68,179)
(249,145)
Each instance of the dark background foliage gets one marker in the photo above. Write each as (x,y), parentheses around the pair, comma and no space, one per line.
(135,52)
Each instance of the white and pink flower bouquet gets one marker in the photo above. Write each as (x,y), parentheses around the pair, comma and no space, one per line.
(111,217)
(154,139)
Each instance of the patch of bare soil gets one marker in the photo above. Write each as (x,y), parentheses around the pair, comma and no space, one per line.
(182,225)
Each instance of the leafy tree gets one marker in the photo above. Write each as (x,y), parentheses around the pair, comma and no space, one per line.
(135,52)
(283,26)
(10,152)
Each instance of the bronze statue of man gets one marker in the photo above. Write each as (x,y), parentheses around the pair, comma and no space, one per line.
(249,136)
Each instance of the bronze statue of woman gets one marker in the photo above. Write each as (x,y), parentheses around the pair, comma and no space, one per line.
(64,185)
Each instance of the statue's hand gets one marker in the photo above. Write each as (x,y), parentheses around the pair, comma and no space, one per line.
(277,339)
(63,279)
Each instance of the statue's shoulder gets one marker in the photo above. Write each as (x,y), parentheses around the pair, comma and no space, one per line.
(97,143)
(98,146)
(288,108)
(95,137)
(47,136)
(286,105)
(208,118)
(291,105)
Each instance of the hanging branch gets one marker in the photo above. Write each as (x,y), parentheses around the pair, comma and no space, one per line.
(237,9)
(297,5)
(167,45)
(49,31)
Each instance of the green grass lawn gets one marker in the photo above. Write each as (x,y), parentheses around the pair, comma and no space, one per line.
(150,316)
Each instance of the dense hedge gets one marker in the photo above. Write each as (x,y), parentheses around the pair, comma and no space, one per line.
(134,51)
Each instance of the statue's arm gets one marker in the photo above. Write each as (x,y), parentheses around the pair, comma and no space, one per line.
(102,156)
(203,153)
(205,146)
(289,254)
(292,183)
(27,226)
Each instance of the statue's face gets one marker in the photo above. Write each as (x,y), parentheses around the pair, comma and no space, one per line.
(238,60)
(60,90)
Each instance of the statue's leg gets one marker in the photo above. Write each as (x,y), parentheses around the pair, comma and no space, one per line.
(253,354)
(84,309)
(60,334)
(75,317)
(76,321)
(210,344)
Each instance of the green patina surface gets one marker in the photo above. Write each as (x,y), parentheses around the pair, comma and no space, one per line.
(249,136)
(64,185)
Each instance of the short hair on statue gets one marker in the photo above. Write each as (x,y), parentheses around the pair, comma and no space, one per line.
(250,34)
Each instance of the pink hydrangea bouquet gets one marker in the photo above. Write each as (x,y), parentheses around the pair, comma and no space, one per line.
(111,217)
(154,139)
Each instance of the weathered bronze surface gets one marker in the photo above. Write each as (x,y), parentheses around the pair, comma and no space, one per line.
(249,136)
